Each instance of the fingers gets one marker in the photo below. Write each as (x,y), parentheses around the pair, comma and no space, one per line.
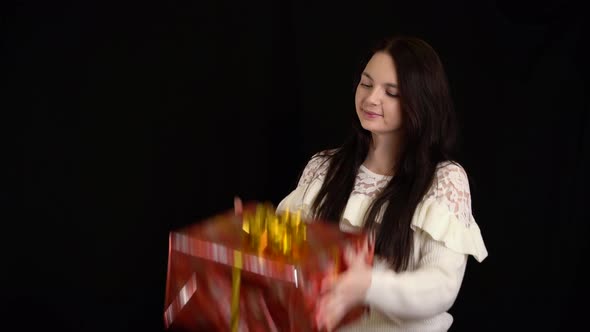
(238,206)
(330,312)
(370,248)
(328,283)
(349,255)
(372,239)
(353,257)
(361,253)
(321,317)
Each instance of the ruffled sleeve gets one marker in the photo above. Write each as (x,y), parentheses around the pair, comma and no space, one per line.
(445,213)
(446,233)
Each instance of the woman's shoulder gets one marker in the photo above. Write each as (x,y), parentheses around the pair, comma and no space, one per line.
(450,175)
(316,166)
(450,166)
(445,213)
(325,154)
(450,187)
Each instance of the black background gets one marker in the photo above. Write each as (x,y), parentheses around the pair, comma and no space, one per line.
(131,119)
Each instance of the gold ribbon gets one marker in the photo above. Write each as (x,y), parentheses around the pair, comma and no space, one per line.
(235,287)
(281,233)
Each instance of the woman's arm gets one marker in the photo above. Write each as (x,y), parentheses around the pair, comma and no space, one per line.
(429,290)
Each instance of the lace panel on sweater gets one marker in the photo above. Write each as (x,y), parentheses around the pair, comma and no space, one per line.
(366,184)
(450,185)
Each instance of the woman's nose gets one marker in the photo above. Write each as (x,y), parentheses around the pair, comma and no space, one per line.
(374,97)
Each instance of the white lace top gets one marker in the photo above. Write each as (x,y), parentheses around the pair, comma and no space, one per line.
(445,233)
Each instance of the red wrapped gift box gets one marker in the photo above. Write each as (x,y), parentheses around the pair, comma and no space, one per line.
(275,292)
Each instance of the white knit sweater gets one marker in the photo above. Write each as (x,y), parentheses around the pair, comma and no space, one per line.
(444,232)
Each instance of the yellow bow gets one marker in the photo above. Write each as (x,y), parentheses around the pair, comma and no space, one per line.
(281,233)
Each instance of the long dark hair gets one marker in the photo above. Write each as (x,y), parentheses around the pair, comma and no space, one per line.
(429,138)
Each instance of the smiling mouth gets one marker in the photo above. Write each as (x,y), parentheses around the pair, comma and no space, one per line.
(372,114)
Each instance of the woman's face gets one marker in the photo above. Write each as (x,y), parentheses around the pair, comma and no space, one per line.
(376,99)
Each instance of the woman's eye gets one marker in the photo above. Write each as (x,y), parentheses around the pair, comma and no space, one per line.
(365,85)
(394,95)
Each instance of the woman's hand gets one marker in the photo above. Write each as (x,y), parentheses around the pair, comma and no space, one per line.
(342,293)
(238,206)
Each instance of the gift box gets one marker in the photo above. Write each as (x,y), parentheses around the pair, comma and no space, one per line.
(234,273)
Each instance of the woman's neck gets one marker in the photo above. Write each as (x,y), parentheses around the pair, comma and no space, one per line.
(383,154)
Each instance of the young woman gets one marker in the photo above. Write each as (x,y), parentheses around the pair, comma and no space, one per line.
(396,177)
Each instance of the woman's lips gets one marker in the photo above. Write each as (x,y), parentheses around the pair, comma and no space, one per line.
(371,115)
